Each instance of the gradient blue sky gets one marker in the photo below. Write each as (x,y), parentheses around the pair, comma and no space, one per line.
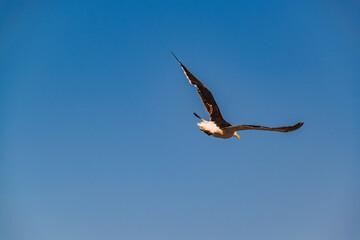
(98,139)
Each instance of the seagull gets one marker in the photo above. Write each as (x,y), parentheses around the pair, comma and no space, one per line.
(217,126)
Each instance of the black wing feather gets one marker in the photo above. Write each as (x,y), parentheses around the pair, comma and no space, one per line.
(206,97)
(277,129)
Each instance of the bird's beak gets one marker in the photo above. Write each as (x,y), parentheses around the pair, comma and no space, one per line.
(236,135)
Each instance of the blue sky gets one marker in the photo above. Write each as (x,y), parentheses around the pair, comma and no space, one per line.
(99,141)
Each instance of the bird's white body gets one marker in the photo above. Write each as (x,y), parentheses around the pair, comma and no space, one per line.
(211,128)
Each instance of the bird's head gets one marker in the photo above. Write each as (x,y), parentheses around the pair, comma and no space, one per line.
(236,135)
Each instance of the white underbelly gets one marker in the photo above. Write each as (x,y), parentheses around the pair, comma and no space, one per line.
(214,130)
(224,134)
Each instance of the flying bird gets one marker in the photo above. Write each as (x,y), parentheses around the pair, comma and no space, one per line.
(217,126)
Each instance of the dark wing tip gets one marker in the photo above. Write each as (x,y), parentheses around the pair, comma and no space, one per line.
(296,126)
(197,116)
(176,57)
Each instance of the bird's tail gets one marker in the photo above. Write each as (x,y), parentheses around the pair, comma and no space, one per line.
(198,116)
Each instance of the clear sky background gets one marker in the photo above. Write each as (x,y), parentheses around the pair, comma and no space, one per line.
(99,141)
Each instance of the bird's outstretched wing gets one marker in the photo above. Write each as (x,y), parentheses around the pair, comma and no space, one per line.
(276,129)
(206,97)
